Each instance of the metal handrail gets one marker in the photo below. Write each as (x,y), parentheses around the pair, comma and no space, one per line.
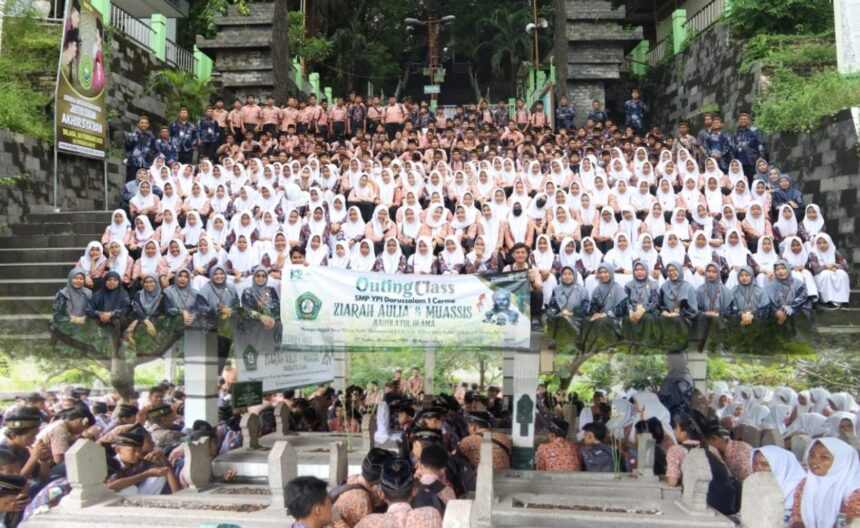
(705,17)
(658,52)
(179,57)
(135,29)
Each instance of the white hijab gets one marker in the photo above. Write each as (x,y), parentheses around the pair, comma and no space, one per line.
(243,261)
(120,230)
(359,262)
(823,497)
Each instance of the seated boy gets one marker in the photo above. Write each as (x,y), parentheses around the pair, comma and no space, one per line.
(596,455)
(138,475)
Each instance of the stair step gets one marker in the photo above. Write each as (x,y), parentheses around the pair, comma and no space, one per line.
(24,270)
(24,324)
(838,318)
(854,299)
(41,241)
(34,287)
(47,255)
(71,216)
(58,228)
(13,305)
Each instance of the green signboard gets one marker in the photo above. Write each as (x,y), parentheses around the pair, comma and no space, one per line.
(246,393)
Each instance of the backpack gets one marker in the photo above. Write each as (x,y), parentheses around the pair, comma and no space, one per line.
(429,496)
(724,491)
(460,475)
(597,459)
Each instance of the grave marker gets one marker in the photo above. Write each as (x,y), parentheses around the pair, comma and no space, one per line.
(86,470)
(283,467)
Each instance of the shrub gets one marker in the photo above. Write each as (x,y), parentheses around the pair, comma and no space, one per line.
(748,18)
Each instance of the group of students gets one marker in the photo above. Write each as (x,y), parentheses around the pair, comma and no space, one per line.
(142,441)
(628,215)
(821,483)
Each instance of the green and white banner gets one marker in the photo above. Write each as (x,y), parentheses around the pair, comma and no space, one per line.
(331,309)
(259,358)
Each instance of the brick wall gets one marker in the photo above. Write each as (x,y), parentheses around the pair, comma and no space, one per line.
(81,180)
(825,163)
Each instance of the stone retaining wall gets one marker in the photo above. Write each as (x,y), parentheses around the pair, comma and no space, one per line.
(81,180)
(706,73)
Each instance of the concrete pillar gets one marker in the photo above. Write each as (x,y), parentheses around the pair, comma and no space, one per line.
(429,369)
(512,107)
(159,35)
(679,30)
(847,21)
(640,57)
(508,372)
(201,376)
(526,373)
(202,65)
(170,364)
(340,371)
(2,10)
(297,68)
(328,94)
(314,80)
(697,362)
(103,7)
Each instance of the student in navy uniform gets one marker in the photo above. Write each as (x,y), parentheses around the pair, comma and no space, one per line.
(718,145)
(635,109)
(597,115)
(183,135)
(565,114)
(748,144)
(209,135)
(164,146)
(139,149)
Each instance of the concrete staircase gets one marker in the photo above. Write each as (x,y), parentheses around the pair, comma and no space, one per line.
(36,259)
(34,263)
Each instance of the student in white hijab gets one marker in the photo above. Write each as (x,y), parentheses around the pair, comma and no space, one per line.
(546,262)
(240,263)
(119,229)
(832,483)
(766,256)
(621,258)
(591,258)
(423,262)
(830,271)
(736,255)
(451,258)
(797,256)
(316,252)
(364,257)
(813,221)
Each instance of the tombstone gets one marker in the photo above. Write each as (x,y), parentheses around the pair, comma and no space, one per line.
(799,444)
(771,437)
(645,458)
(250,425)
(368,428)
(283,467)
(482,509)
(86,470)
(697,478)
(198,464)
(282,418)
(338,464)
(762,502)
(751,435)
(457,514)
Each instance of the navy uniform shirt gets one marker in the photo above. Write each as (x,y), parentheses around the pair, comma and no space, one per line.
(564,116)
(598,117)
(719,143)
(140,148)
(165,148)
(208,130)
(635,113)
(748,145)
(183,136)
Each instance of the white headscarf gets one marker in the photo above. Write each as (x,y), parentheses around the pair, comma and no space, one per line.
(120,262)
(86,262)
(648,257)
(618,258)
(735,255)
(359,262)
(591,261)
(192,233)
(672,254)
(795,259)
(786,227)
(826,257)
(178,262)
(453,258)
(565,259)
(120,230)
(340,262)
(650,407)
(423,263)
(823,497)
(149,265)
(813,227)
(243,261)
(544,260)
(314,257)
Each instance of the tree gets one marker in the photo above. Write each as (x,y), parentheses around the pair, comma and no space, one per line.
(282,64)
(509,41)
(181,88)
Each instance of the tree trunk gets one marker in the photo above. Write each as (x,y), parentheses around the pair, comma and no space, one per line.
(282,63)
(122,377)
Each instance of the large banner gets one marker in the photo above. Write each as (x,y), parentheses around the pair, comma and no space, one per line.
(332,309)
(80,118)
(259,358)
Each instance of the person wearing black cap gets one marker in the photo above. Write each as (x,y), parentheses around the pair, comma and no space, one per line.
(68,425)
(124,414)
(22,426)
(100,412)
(137,475)
(397,487)
(160,426)
(470,447)
(13,497)
(361,495)
(557,454)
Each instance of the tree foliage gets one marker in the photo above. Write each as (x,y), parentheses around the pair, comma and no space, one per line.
(181,88)
(748,18)
(353,42)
